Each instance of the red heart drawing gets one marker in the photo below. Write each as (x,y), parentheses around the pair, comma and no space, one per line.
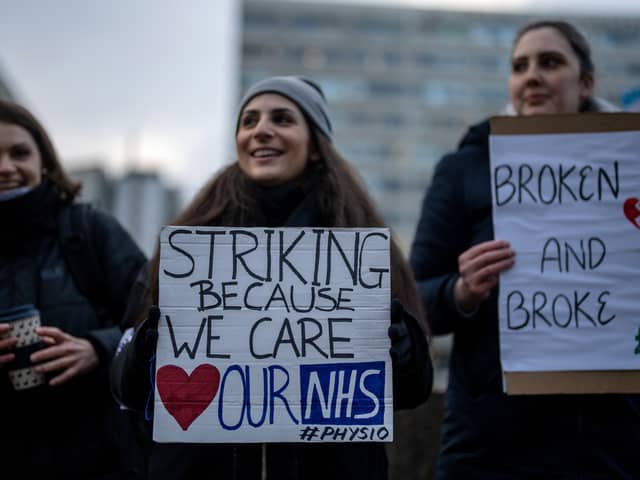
(186,396)
(631,211)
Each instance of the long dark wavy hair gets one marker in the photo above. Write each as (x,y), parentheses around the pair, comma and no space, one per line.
(15,114)
(227,200)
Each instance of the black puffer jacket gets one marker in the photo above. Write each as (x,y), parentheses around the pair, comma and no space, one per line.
(62,432)
(278,461)
(487,434)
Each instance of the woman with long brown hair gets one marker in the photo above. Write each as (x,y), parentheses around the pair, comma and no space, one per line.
(288,173)
(57,413)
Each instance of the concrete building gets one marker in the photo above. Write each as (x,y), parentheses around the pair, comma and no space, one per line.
(404,84)
(97,188)
(143,204)
(141,201)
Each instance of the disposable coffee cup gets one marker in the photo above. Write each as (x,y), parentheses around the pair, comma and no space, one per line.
(23,321)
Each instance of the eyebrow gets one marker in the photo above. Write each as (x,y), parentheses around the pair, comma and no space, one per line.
(538,54)
(21,143)
(274,110)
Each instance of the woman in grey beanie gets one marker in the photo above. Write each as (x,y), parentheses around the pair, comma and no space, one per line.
(305,93)
(288,174)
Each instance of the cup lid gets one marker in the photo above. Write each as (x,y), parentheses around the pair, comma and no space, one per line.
(17,312)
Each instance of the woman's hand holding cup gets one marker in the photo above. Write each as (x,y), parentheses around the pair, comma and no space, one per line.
(64,354)
(7,342)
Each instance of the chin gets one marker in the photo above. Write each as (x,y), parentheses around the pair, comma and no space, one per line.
(538,110)
(266,179)
(262,175)
(9,188)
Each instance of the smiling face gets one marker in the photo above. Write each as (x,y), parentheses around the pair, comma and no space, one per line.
(20,161)
(546,76)
(273,140)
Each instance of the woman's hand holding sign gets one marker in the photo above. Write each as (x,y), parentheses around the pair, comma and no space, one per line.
(480,268)
(410,355)
(65,354)
(132,369)
(402,346)
(146,337)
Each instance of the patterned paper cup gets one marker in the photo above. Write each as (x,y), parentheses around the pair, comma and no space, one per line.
(23,321)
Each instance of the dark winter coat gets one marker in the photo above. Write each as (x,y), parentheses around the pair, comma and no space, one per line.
(61,432)
(279,461)
(487,434)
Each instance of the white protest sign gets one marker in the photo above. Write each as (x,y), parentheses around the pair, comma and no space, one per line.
(273,335)
(568,204)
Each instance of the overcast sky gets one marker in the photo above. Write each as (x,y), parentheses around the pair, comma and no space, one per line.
(156,78)
(587,7)
(142,75)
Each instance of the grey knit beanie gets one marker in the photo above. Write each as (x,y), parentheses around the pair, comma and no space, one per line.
(305,93)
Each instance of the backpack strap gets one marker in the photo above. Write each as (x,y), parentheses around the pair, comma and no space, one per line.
(78,249)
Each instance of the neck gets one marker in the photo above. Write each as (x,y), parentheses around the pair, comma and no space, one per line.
(276,203)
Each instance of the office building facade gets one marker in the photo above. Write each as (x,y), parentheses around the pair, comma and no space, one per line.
(404,84)
(141,201)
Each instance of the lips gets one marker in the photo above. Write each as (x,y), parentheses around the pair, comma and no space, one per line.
(536,99)
(265,153)
(9,185)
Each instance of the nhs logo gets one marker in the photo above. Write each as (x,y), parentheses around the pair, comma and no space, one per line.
(343,393)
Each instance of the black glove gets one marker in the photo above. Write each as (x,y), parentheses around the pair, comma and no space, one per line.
(401,346)
(146,337)
(131,369)
(412,367)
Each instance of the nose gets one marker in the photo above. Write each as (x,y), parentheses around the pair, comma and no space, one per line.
(264,129)
(6,165)
(533,74)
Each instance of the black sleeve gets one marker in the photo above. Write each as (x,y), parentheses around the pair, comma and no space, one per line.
(131,372)
(440,238)
(120,262)
(412,386)
(130,376)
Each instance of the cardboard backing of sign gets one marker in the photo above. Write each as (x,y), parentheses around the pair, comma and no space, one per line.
(566,123)
(539,383)
(585,382)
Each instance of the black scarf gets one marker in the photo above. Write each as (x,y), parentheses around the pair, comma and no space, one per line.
(277,203)
(293,204)
(28,216)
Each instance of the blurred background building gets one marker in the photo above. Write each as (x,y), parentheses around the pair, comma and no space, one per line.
(141,201)
(404,84)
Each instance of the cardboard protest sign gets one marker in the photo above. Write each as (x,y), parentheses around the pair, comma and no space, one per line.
(273,335)
(565,191)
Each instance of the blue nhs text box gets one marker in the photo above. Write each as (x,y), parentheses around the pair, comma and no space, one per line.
(342,393)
